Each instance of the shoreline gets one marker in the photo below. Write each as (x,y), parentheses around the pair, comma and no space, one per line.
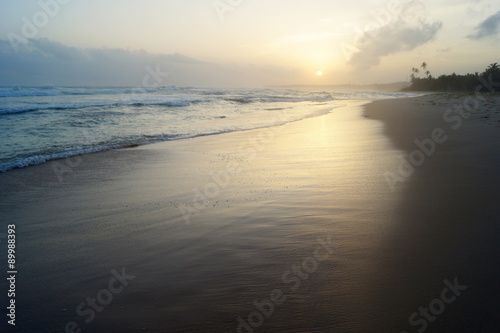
(26,162)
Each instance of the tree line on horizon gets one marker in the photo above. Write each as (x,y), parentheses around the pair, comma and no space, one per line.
(454,82)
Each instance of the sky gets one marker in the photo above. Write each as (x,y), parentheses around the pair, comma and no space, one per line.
(242,43)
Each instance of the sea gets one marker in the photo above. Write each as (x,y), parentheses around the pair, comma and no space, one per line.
(43,123)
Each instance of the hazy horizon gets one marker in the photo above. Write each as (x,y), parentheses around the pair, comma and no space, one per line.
(220,43)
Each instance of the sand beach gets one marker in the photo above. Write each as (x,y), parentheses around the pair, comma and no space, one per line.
(336,223)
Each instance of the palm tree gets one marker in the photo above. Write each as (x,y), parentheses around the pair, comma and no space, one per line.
(424,65)
(492,69)
(492,74)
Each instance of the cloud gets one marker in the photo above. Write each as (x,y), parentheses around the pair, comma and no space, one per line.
(41,62)
(488,27)
(393,38)
(405,32)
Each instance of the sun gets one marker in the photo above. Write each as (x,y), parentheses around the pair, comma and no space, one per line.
(319,73)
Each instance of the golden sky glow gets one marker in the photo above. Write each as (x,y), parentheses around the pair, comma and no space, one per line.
(278,42)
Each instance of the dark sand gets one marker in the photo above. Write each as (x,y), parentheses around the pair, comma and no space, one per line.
(291,185)
(447,223)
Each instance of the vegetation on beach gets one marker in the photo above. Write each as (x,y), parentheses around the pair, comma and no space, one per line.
(454,82)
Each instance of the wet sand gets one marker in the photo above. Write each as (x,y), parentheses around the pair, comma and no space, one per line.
(287,229)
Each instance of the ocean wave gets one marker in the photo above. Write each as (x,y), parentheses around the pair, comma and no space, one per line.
(22,162)
(97,123)
(17,93)
(57,91)
(166,103)
(125,143)
(242,100)
(75,106)
(277,99)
